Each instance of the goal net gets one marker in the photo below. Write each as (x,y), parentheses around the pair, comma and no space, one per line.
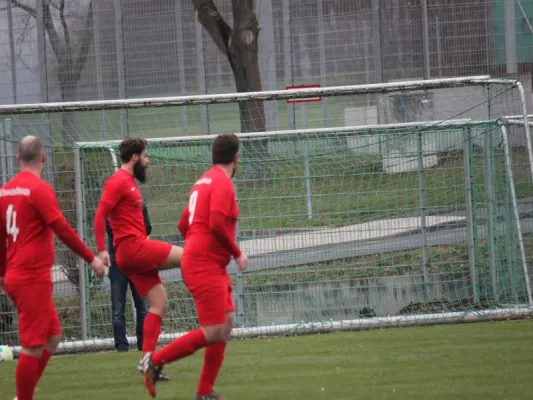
(410,208)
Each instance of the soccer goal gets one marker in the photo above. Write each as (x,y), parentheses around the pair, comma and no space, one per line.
(407,205)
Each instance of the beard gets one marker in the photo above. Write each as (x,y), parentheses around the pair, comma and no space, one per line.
(139,172)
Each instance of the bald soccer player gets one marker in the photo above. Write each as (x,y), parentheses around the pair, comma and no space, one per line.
(29,217)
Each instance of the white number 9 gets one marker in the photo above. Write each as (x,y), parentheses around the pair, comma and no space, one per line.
(192,205)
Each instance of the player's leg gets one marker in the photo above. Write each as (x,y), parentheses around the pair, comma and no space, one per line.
(214,353)
(53,339)
(119,287)
(27,371)
(209,297)
(156,298)
(33,318)
(173,260)
(213,359)
(141,310)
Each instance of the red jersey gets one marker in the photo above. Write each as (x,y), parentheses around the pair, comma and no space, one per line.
(209,220)
(122,201)
(29,216)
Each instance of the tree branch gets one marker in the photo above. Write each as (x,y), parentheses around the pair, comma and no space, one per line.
(29,10)
(85,44)
(64,25)
(214,24)
(55,41)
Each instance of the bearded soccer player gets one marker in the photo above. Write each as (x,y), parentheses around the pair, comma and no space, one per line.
(138,258)
(208,225)
(29,217)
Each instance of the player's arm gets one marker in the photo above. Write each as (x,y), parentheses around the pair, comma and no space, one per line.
(183,224)
(3,253)
(111,195)
(46,203)
(222,199)
(147,222)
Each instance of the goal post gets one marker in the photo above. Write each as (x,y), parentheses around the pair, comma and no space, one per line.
(489,279)
(406,209)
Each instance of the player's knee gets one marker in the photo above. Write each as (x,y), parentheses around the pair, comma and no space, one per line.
(214,333)
(52,343)
(36,351)
(157,300)
(228,326)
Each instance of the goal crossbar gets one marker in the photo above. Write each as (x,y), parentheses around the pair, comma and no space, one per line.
(344,130)
(207,99)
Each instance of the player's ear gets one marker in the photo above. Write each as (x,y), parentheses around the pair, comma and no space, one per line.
(18,159)
(43,157)
(236,158)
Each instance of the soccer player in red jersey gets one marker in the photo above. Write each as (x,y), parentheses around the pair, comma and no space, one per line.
(139,258)
(208,225)
(29,217)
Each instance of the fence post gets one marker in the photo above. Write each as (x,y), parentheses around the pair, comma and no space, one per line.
(422,199)
(240,316)
(202,79)
(425,38)
(490,197)
(12,55)
(121,66)
(322,57)
(267,60)
(98,66)
(84,301)
(181,60)
(469,200)
(287,59)
(376,26)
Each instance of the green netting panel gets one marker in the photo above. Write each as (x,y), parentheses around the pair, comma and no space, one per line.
(332,224)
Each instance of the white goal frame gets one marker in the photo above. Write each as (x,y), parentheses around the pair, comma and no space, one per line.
(363,323)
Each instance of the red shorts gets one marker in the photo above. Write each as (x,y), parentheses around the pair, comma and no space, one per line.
(139,261)
(212,295)
(37,314)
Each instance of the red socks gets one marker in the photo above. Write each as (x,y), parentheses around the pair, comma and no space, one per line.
(213,357)
(180,348)
(43,362)
(27,376)
(151,331)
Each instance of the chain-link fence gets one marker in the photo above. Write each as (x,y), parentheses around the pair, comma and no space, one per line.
(109,49)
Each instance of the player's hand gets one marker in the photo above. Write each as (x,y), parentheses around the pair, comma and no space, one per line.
(242,261)
(104,256)
(98,267)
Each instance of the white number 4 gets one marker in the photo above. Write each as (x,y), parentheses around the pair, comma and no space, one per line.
(11,222)
(192,205)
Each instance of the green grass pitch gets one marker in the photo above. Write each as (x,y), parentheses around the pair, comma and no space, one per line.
(471,361)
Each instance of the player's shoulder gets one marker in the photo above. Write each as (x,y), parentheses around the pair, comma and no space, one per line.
(116,178)
(25,185)
(213,177)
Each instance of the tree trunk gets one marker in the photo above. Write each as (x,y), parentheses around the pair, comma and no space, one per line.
(243,56)
(239,44)
(69,134)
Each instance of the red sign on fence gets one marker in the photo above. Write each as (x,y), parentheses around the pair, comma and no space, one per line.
(303,99)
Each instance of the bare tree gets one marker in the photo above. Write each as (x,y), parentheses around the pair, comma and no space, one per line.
(240,45)
(70,49)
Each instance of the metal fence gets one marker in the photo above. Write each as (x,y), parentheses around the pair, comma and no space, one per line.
(123,49)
